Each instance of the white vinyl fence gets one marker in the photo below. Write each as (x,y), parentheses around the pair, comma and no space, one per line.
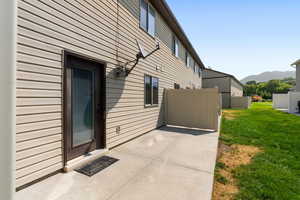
(280,101)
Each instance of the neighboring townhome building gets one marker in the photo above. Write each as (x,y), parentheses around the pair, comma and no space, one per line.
(70,100)
(228,85)
(297,65)
(294,96)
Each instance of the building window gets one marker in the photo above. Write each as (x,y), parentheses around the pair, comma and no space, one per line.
(175,46)
(187,59)
(199,71)
(176,86)
(151,20)
(147,17)
(143,15)
(192,63)
(151,91)
(195,67)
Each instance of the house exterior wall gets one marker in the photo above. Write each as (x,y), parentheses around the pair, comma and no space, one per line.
(163,31)
(226,100)
(132,6)
(207,73)
(213,79)
(236,89)
(298,78)
(240,102)
(227,85)
(222,83)
(294,97)
(45,29)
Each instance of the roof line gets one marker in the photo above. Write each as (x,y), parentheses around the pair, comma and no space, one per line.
(296,63)
(228,75)
(169,15)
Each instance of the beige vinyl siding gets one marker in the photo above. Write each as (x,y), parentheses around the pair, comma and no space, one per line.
(226,100)
(163,32)
(223,83)
(45,29)
(133,6)
(212,74)
(236,89)
(227,85)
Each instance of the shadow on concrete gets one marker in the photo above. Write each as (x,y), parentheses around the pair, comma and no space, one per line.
(185,130)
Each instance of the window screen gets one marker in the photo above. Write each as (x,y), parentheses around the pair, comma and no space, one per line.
(151,21)
(144,15)
(147,17)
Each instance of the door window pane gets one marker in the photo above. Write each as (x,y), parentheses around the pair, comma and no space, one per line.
(155,90)
(82,106)
(143,15)
(148,90)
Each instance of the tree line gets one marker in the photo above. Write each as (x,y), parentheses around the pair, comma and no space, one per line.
(266,89)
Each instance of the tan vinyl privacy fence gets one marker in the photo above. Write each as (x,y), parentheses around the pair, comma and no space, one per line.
(240,102)
(193,108)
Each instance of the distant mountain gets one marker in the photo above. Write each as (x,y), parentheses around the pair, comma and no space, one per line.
(266,76)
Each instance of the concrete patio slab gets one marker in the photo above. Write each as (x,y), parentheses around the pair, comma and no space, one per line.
(163,180)
(170,163)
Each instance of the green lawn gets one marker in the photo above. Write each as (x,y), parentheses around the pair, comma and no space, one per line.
(275,173)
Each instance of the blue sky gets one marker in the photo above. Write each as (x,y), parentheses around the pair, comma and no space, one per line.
(242,37)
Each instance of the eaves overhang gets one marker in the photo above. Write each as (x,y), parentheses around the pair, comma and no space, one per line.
(163,8)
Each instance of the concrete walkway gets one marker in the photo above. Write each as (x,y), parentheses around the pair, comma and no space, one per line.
(166,164)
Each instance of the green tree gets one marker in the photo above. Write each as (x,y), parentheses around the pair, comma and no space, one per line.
(266,89)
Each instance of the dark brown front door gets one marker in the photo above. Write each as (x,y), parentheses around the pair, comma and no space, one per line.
(84,106)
